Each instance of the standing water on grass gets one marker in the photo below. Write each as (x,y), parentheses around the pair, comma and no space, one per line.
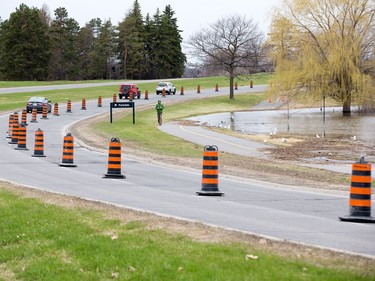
(308,121)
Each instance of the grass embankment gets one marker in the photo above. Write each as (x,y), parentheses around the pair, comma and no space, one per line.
(146,136)
(76,240)
(18,100)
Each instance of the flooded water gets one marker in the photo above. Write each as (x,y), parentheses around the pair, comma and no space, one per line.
(297,121)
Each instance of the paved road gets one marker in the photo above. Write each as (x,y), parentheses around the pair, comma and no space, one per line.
(292,213)
(31,89)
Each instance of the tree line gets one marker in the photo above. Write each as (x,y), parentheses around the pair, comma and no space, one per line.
(36,46)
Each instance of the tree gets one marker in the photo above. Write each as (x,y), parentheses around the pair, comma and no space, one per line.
(324,48)
(132,43)
(163,45)
(64,34)
(25,45)
(230,43)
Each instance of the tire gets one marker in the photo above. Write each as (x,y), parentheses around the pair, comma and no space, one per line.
(174,92)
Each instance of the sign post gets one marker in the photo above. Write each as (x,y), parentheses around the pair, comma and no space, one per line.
(122,105)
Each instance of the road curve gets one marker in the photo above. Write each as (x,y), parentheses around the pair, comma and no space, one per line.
(282,212)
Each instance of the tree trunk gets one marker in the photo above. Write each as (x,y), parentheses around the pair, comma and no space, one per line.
(346,106)
(231,83)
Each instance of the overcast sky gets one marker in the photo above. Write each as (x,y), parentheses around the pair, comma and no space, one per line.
(192,15)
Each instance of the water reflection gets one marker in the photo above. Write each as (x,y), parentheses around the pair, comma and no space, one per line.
(301,121)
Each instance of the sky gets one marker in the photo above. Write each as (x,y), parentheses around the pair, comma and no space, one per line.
(192,15)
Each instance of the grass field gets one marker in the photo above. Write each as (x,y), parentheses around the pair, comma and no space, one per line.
(43,241)
(16,101)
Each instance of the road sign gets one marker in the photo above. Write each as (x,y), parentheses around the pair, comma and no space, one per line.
(129,104)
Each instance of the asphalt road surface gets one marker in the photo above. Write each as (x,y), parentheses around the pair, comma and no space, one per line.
(281,212)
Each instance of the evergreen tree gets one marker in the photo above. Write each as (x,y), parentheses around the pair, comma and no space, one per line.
(64,34)
(164,45)
(25,45)
(132,44)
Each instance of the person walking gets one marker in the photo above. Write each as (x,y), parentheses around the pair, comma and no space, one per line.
(159,110)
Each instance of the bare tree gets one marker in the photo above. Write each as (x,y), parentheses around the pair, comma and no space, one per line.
(229,44)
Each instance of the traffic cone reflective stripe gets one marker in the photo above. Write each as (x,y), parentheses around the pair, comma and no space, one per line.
(360,194)
(39,144)
(114,160)
(210,173)
(68,152)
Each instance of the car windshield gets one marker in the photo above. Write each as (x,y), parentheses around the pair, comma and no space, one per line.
(37,99)
(162,84)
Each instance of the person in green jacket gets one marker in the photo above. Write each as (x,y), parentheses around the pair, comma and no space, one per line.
(159,110)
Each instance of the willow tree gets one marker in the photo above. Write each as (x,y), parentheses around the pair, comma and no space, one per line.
(322,47)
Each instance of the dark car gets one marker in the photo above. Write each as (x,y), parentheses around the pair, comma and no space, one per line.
(125,89)
(38,103)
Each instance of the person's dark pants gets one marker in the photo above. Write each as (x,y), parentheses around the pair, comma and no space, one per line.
(160,120)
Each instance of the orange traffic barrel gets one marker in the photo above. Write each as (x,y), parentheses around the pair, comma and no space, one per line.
(83,107)
(236,86)
(210,173)
(360,194)
(39,144)
(44,112)
(21,138)
(69,107)
(56,109)
(15,117)
(182,91)
(34,114)
(251,83)
(130,97)
(146,95)
(24,117)
(216,87)
(198,89)
(100,101)
(10,126)
(68,151)
(114,98)
(15,126)
(114,160)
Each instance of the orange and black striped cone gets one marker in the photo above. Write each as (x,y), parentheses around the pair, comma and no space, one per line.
(39,144)
(15,127)
(21,143)
(360,194)
(68,151)
(114,160)
(10,126)
(210,173)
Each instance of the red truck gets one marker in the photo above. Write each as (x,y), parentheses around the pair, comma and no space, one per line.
(125,89)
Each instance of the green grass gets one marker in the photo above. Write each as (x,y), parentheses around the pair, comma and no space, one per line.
(41,241)
(9,102)
(146,135)
(259,78)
